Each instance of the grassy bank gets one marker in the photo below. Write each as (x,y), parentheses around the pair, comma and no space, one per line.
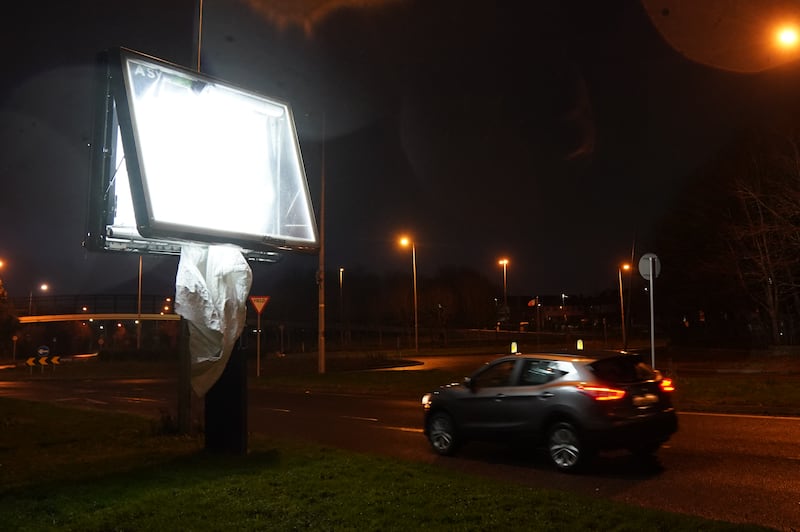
(66,469)
(716,380)
(725,381)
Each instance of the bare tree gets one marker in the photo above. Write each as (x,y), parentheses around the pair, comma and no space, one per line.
(762,234)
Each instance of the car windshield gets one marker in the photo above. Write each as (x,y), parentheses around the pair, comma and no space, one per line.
(622,369)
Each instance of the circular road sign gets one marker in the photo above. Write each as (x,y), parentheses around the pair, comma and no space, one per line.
(644,265)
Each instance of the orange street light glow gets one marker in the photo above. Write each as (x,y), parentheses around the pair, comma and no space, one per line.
(788,37)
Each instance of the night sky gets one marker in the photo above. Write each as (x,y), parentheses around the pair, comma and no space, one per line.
(552,133)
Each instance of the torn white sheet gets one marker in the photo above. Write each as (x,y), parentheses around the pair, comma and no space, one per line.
(211,289)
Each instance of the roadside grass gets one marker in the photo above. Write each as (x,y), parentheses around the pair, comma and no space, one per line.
(757,384)
(766,394)
(716,380)
(70,469)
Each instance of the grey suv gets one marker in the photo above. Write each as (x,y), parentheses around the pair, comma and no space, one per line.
(573,403)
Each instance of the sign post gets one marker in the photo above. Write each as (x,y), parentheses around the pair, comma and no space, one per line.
(42,352)
(650,268)
(259,302)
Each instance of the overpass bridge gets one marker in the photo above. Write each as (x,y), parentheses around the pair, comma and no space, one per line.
(109,316)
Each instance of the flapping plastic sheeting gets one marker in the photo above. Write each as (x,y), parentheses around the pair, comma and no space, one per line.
(211,290)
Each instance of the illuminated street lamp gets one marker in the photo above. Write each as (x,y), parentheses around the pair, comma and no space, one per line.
(43,287)
(405,242)
(625,266)
(788,37)
(504,264)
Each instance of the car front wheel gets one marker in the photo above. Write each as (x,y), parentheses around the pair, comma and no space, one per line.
(565,448)
(442,433)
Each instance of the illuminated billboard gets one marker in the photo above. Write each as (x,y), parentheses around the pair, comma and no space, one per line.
(179,157)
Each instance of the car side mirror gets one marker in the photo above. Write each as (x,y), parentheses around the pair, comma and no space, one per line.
(468,383)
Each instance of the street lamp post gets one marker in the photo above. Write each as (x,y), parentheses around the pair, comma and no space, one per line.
(139,308)
(405,242)
(504,264)
(43,287)
(341,306)
(625,267)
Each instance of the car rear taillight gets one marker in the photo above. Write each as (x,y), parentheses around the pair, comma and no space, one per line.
(601,393)
(667,385)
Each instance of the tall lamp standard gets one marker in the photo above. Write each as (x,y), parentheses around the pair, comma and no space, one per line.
(2,290)
(504,264)
(625,266)
(405,242)
(43,287)
(341,306)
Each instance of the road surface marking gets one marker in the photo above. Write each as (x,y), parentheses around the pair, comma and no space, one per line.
(358,418)
(749,416)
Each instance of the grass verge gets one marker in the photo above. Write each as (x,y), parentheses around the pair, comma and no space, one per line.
(69,469)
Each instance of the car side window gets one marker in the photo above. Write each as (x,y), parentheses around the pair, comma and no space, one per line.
(535,372)
(496,375)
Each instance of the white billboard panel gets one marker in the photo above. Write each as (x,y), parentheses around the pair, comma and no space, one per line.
(182,157)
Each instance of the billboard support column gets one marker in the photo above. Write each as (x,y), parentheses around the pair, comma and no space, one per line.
(226,408)
(184,380)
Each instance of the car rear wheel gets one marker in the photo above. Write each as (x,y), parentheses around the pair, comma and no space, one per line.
(442,433)
(565,448)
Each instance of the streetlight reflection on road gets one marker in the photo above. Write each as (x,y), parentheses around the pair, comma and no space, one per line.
(405,242)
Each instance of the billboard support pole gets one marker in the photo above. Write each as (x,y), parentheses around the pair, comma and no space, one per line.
(321,272)
(184,380)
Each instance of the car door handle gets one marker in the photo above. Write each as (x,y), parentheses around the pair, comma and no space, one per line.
(499,397)
(545,395)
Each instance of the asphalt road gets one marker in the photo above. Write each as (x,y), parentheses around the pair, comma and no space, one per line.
(743,469)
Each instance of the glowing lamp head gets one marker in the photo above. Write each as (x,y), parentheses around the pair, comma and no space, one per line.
(788,37)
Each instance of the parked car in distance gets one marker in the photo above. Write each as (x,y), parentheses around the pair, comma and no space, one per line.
(572,404)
